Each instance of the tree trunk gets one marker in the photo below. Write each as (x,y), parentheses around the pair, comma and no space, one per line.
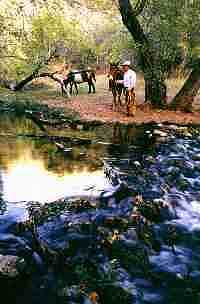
(26,80)
(185,97)
(35,75)
(155,91)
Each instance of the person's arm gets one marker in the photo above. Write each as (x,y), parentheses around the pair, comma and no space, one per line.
(120,81)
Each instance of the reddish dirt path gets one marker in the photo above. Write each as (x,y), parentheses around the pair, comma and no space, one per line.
(99,107)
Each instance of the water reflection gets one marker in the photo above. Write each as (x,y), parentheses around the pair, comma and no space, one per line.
(36,171)
(29,180)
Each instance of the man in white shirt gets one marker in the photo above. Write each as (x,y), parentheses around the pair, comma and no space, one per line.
(129,76)
(129,83)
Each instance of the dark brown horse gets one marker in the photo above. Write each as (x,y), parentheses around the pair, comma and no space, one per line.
(116,88)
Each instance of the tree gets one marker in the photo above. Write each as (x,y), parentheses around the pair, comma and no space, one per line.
(44,37)
(159,56)
(151,61)
(190,26)
(184,98)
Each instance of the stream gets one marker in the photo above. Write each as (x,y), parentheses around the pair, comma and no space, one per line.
(107,214)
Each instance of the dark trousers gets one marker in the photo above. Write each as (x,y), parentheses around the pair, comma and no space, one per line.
(91,86)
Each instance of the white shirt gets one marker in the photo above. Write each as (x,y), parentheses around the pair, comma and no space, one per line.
(129,79)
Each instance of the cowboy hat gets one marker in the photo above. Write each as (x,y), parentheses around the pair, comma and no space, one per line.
(126,63)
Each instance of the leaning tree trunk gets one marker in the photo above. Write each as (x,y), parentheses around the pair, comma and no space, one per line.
(185,97)
(26,80)
(35,75)
(155,87)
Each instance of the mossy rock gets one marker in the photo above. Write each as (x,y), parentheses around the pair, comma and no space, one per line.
(133,259)
(183,184)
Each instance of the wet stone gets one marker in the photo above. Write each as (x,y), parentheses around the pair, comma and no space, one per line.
(196,185)
(196,157)
(116,294)
(183,184)
(10,244)
(172,265)
(195,275)
(59,238)
(11,266)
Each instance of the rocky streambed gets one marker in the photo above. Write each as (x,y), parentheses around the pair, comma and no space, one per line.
(137,241)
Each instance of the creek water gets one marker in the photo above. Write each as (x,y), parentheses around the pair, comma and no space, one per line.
(33,169)
(156,162)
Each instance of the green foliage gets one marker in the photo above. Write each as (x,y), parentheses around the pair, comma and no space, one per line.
(33,33)
(30,40)
(172,27)
(122,46)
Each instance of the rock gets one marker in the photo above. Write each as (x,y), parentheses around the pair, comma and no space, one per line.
(131,234)
(88,301)
(59,238)
(122,192)
(12,245)
(172,266)
(113,294)
(195,276)
(152,297)
(150,159)
(160,133)
(196,157)
(11,266)
(137,163)
(196,185)
(112,203)
(183,184)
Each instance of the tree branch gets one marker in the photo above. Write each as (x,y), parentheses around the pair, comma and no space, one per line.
(130,21)
(155,88)
(140,5)
(36,75)
(13,56)
(133,25)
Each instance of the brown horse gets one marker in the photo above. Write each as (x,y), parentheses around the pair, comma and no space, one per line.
(116,88)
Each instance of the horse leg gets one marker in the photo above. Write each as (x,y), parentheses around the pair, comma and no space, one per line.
(90,87)
(64,87)
(71,88)
(62,90)
(93,87)
(76,87)
(119,99)
(65,91)
(114,101)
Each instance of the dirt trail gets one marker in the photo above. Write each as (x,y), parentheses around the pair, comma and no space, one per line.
(99,107)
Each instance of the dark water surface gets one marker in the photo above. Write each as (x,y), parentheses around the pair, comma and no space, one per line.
(159,163)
